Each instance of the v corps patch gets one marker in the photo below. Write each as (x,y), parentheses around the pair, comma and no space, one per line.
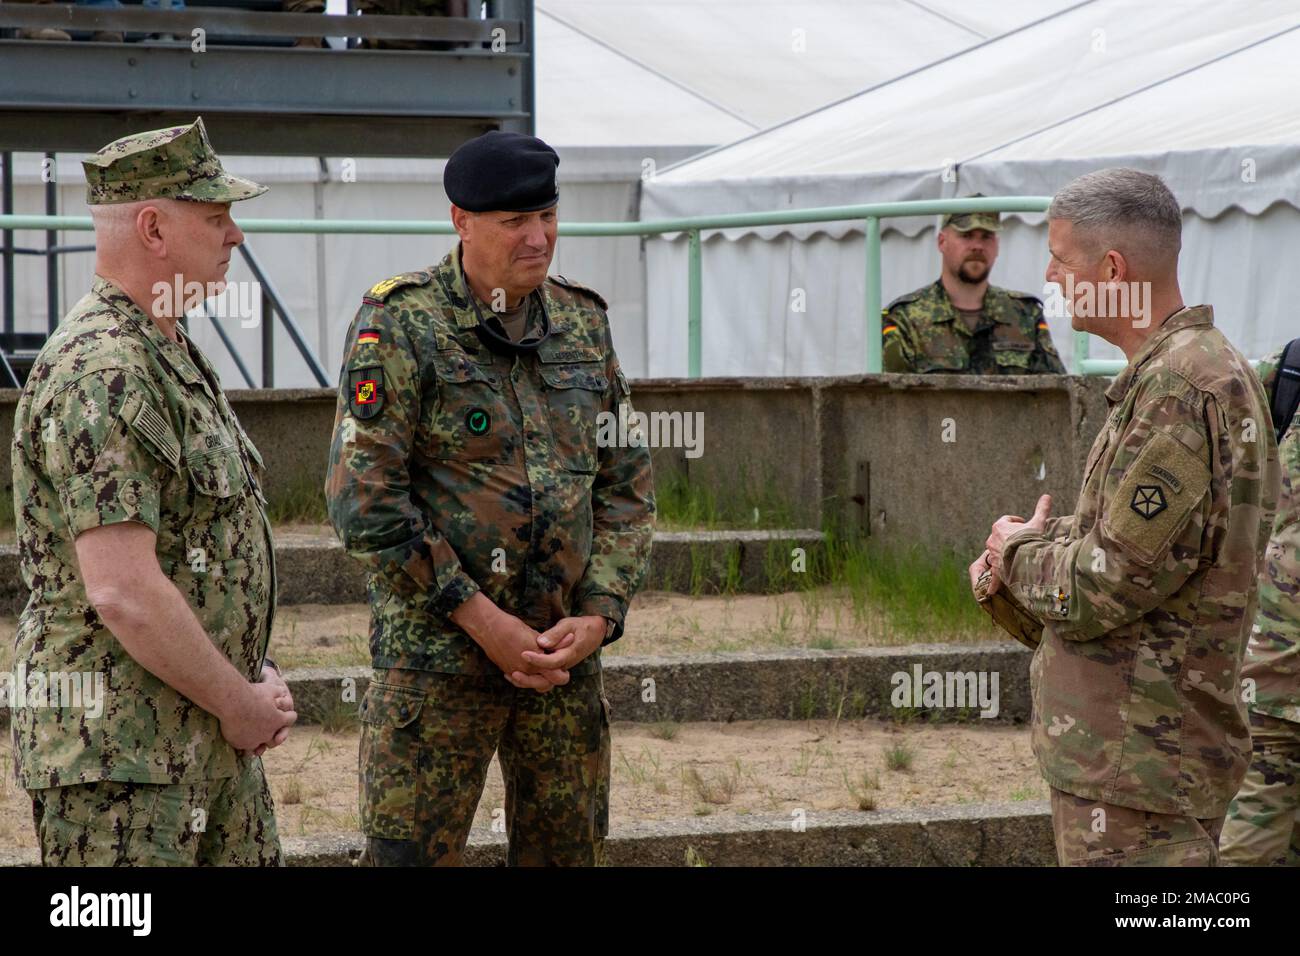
(366,391)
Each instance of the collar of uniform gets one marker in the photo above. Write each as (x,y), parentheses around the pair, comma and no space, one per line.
(466,315)
(467,318)
(171,352)
(994,305)
(1186,317)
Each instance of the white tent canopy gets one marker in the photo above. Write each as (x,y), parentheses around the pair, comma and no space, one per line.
(1190,89)
(624,87)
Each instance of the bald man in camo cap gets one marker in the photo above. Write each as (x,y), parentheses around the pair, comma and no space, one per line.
(963,324)
(145,545)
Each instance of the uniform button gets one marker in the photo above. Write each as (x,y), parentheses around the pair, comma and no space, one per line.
(403,711)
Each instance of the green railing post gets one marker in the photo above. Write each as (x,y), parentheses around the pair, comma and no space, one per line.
(1080,352)
(694,305)
(873,294)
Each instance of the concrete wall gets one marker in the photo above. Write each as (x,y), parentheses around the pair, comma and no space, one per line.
(906,458)
(930,459)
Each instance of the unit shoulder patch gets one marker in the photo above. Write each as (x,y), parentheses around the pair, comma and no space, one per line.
(1156,497)
(366,391)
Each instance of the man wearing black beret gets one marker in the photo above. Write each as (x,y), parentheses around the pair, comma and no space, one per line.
(504,536)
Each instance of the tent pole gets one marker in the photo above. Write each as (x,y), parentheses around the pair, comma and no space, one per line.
(695,303)
(872,233)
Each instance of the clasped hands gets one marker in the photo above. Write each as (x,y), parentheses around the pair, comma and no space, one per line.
(1003,529)
(528,659)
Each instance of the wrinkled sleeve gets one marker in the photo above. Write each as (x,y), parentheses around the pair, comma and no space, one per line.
(368,483)
(623,518)
(1142,548)
(1057,526)
(898,352)
(108,450)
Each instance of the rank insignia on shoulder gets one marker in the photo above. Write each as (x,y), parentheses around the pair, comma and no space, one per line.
(382,290)
(366,391)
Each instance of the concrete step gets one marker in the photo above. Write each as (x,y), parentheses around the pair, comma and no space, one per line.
(314,570)
(799,684)
(1001,834)
(773,685)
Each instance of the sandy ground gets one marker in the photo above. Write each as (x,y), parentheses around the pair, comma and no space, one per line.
(672,771)
(336,635)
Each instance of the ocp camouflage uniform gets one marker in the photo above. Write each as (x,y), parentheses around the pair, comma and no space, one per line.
(1147,604)
(453,470)
(118,423)
(1263,826)
(922,332)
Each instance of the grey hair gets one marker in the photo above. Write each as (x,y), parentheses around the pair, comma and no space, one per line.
(1126,210)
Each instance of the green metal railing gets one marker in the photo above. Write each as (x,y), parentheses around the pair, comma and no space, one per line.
(870,214)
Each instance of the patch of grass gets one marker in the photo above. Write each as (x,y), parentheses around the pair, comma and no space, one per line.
(804,762)
(301,501)
(7,519)
(645,769)
(863,788)
(899,756)
(291,791)
(338,716)
(665,729)
(922,594)
(693,857)
(746,503)
(714,787)
(731,577)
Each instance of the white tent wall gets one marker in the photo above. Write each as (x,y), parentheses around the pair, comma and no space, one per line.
(1198,92)
(323,288)
(751,286)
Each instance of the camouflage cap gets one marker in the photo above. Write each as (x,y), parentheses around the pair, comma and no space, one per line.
(173,163)
(968,221)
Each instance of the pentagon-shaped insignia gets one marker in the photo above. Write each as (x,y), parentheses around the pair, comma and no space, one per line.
(366,391)
(1148,501)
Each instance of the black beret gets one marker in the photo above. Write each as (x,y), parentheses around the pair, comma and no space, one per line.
(502,171)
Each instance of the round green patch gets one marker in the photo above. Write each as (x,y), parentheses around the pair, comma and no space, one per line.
(478,421)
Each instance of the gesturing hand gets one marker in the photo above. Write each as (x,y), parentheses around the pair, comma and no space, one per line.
(1008,525)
